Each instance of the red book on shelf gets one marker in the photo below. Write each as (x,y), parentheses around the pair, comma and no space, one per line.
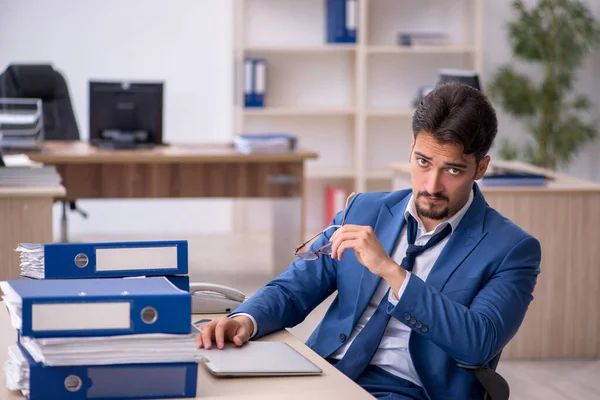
(335,199)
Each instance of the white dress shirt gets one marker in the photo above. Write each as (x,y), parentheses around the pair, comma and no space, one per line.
(392,354)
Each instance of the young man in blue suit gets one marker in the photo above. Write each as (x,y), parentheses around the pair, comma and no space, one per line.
(426,278)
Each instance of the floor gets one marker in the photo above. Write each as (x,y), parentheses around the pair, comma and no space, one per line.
(234,261)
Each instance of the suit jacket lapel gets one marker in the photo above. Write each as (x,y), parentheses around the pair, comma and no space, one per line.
(387,229)
(463,240)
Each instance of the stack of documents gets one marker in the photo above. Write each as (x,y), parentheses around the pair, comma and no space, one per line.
(109,337)
(120,349)
(45,176)
(21,123)
(265,143)
(17,370)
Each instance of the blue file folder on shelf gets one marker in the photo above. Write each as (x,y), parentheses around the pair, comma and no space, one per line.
(255,82)
(108,259)
(96,307)
(124,381)
(341,21)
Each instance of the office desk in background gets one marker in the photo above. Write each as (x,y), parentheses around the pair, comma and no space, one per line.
(26,215)
(332,384)
(563,320)
(189,171)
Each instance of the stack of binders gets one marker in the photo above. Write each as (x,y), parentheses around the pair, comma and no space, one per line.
(86,332)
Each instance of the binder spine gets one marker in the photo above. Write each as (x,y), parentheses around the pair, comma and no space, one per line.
(341,21)
(248,82)
(121,259)
(255,82)
(260,81)
(95,316)
(124,381)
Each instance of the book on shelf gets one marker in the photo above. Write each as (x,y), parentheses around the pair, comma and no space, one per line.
(255,82)
(341,21)
(335,199)
(422,39)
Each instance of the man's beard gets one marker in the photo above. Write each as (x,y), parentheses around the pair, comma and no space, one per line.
(429,212)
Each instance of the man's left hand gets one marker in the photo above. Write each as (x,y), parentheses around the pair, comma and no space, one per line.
(366,246)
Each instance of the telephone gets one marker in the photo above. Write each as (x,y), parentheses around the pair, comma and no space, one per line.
(210,298)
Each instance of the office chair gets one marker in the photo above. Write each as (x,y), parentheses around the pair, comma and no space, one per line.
(495,386)
(42,81)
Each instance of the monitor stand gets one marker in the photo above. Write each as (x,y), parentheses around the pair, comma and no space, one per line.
(116,145)
(120,140)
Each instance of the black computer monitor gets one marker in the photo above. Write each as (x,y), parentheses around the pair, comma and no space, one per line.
(126,114)
(468,77)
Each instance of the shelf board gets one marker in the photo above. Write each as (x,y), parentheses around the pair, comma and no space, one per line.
(394,49)
(329,173)
(298,111)
(323,48)
(391,112)
(379,174)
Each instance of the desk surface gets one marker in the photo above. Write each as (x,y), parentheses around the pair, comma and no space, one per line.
(560,182)
(82,152)
(51,191)
(331,385)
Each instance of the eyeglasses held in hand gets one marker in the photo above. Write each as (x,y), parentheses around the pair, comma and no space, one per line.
(326,249)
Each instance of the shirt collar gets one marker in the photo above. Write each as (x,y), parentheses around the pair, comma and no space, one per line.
(453,221)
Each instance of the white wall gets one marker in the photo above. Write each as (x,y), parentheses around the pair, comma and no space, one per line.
(186,43)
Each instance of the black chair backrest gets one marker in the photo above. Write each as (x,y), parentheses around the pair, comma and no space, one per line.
(42,81)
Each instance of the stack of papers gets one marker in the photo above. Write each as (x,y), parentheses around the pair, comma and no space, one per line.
(264,143)
(16,370)
(14,304)
(29,176)
(32,260)
(120,349)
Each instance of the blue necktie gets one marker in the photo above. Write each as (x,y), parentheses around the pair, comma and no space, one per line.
(363,348)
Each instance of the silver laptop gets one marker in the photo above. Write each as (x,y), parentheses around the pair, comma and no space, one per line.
(257,359)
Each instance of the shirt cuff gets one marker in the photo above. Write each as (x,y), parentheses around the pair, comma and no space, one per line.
(254,326)
(392,297)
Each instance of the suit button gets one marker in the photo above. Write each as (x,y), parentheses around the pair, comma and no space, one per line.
(424,329)
(406,316)
(418,325)
(342,337)
(413,321)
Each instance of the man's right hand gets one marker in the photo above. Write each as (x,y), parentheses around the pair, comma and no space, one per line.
(236,329)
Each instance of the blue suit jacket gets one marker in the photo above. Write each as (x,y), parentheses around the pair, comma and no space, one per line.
(471,305)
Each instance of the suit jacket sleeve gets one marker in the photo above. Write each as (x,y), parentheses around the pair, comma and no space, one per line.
(288,299)
(474,335)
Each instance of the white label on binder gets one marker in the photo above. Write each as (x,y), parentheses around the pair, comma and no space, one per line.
(80,316)
(261,77)
(248,76)
(136,258)
(351,14)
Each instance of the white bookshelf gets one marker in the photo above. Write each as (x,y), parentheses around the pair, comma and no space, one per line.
(351,103)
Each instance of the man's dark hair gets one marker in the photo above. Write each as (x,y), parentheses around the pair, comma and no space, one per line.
(457,113)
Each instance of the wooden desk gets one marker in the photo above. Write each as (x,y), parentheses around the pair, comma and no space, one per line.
(26,215)
(189,171)
(331,385)
(563,320)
